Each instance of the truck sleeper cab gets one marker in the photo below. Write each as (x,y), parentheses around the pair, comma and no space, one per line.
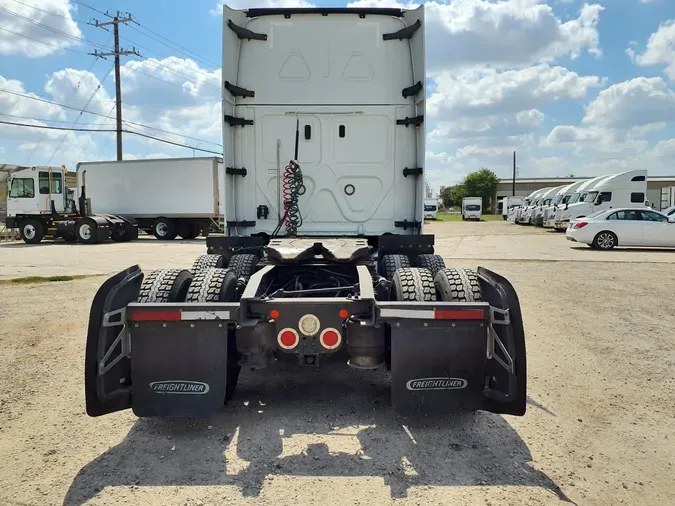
(324,256)
(561,199)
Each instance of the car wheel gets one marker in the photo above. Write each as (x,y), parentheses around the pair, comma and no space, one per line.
(605,240)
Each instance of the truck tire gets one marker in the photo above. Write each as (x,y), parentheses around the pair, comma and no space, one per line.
(188,230)
(413,284)
(212,285)
(207,262)
(458,285)
(86,231)
(243,266)
(122,233)
(392,263)
(434,263)
(165,285)
(165,229)
(32,231)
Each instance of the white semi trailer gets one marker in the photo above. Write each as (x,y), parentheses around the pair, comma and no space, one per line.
(324,258)
(167,197)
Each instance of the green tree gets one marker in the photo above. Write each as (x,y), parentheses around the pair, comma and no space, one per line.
(452,195)
(482,183)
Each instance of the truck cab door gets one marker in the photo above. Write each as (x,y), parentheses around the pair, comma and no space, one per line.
(107,368)
(51,191)
(23,196)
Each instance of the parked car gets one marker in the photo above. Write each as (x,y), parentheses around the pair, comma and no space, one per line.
(623,227)
(670,211)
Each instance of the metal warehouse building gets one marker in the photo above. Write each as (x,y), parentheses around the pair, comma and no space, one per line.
(660,189)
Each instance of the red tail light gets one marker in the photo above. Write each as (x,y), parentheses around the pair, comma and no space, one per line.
(330,339)
(288,339)
(581,224)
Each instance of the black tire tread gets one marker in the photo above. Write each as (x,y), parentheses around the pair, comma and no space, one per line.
(434,263)
(458,285)
(209,261)
(392,263)
(243,265)
(165,285)
(414,284)
(210,285)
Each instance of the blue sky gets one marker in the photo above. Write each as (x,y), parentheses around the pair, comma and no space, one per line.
(573,87)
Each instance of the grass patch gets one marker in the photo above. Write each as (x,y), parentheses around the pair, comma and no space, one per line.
(458,217)
(41,279)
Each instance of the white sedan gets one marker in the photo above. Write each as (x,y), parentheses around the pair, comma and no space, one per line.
(623,227)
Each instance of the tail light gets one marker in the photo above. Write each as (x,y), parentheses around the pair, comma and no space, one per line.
(581,224)
(330,338)
(288,339)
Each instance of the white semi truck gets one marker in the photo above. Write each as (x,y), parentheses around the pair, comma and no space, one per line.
(471,208)
(537,217)
(41,206)
(325,108)
(562,198)
(626,189)
(430,209)
(167,197)
(525,211)
(509,205)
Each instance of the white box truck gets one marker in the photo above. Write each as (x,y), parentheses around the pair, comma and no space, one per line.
(509,205)
(471,208)
(167,197)
(626,189)
(430,209)
(328,105)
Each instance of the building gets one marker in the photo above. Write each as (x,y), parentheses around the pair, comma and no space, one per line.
(660,189)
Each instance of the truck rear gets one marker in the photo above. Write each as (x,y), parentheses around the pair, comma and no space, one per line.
(167,197)
(324,256)
(471,208)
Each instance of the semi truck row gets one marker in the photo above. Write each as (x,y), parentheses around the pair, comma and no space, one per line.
(113,200)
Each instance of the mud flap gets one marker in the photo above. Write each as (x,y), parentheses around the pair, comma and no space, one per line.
(438,368)
(506,388)
(107,367)
(177,369)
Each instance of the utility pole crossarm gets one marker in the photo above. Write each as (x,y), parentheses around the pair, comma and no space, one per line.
(116,52)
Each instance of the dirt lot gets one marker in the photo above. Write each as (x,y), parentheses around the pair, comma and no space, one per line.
(599,426)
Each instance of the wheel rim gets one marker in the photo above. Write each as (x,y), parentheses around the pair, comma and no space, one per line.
(606,241)
(85,232)
(162,229)
(29,232)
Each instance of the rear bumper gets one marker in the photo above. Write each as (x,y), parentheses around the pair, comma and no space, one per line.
(445,357)
(550,223)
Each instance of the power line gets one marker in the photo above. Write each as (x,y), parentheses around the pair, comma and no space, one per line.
(185,51)
(48,12)
(40,99)
(180,74)
(126,67)
(42,41)
(72,129)
(44,120)
(173,133)
(89,7)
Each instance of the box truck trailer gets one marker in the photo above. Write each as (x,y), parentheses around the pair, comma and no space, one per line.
(167,197)
(321,260)
(430,209)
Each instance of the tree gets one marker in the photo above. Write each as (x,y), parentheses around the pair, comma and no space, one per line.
(452,195)
(482,183)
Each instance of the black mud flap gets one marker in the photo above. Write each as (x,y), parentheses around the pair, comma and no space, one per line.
(439,367)
(506,387)
(178,367)
(107,369)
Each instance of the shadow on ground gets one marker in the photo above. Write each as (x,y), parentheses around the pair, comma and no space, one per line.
(333,422)
(587,248)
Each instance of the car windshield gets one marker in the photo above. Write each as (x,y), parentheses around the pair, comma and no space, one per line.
(590,196)
(472,207)
(547,202)
(574,198)
(429,207)
(670,211)
(557,200)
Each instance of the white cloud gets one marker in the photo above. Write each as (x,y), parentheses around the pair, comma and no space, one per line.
(506,33)
(23,26)
(487,91)
(660,50)
(640,101)
(496,126)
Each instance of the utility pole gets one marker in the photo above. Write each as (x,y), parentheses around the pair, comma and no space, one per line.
(116,20)
(513,182)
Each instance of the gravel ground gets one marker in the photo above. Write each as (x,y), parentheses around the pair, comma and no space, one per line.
(599,426)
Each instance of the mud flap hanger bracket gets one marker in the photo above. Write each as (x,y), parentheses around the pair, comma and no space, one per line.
(494,338)
(122,340)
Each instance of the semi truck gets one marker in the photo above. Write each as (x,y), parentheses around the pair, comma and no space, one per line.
(525,211)
(41,206)
(562,198)
(625,189)
(508,206)
(471,208)
(167,197)
(537,217)
(430,209)
(336,267)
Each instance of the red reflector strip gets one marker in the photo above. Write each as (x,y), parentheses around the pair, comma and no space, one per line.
(459,314)
(155,316)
